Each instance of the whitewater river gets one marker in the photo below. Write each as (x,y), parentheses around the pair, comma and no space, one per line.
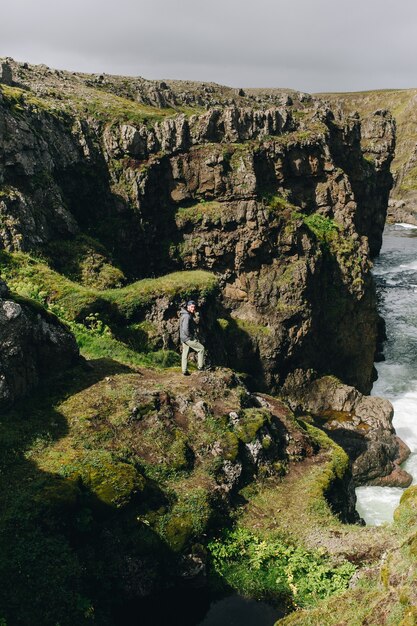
(395,272)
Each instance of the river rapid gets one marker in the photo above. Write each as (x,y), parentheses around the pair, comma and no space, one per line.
(395,272)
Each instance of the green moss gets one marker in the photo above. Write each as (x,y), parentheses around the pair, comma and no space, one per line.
(266,442)
(113,482)
(409,182)
(230,446)
(334,469)
(21,99)
(289,273)
(324,228)
(177,531)
(128,300)
(234,327)
(253,329)
(251,421)
(405,515)
(223,323)
(179,453)
(197,213)
(85,260)
(188,247)
(276,203)
(187,520)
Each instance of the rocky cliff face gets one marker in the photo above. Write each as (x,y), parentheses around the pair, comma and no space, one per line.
(273,192)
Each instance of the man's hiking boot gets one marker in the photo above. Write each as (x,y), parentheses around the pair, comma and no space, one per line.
(186,374)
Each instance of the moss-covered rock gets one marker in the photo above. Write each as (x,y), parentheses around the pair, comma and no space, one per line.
(113,482)
(250,423)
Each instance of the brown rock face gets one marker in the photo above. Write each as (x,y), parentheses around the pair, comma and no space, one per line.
(271,193)
(362,425)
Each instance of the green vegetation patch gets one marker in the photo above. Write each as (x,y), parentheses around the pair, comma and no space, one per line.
(19,100)
(334,469)
(128,300)
(202,211)
(113,482)
(409,182)
(84,260)
(188,519)
(234,326)
(345,250)
(324,228)
(271,569)
(109,108)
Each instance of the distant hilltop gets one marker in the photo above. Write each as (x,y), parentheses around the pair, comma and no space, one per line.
(157,93)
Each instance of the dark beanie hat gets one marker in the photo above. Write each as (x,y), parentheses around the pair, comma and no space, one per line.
(190,302)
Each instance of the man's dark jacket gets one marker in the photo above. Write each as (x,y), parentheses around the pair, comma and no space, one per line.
(187,326)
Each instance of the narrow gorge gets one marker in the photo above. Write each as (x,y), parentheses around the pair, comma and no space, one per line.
(127,488)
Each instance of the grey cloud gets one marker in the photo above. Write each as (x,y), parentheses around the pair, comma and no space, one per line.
(314,45)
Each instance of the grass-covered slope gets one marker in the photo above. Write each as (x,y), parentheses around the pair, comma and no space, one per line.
(120,477)
(109,322)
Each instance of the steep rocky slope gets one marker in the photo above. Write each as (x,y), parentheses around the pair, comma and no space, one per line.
(270,191)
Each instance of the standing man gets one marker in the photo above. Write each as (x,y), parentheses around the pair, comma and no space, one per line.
(188,339)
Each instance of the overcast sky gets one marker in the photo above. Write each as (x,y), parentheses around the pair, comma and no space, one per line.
(311,45)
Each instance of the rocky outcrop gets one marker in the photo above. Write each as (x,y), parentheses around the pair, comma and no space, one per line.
(34,344)
(400,212)
(362,426)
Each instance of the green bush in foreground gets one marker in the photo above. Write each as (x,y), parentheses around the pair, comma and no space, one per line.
(270,569)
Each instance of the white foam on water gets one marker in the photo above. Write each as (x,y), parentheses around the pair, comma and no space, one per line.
(405,418)
(397,375)
(405,225)
(411,467)
(376,505)
(410,267)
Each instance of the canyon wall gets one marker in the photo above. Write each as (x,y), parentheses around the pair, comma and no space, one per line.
(279,196)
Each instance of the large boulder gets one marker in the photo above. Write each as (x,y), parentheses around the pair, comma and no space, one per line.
(33,345)
(361,425)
